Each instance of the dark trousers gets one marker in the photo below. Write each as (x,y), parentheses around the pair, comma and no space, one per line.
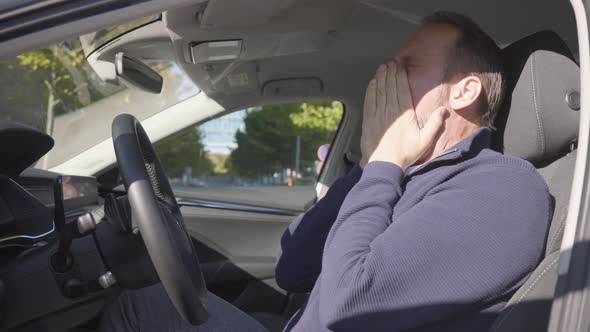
(150,309)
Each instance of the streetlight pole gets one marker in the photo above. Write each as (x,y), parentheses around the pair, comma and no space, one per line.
(297,154)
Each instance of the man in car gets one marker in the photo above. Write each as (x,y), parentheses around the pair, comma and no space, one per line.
(433,231)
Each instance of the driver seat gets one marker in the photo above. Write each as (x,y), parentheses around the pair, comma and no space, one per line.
(539,123)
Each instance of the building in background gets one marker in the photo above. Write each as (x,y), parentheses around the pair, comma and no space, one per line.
(218,135)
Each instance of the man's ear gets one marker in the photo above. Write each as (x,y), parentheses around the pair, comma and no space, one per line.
(465,92)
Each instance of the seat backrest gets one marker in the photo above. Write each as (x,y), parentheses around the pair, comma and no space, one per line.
(559,176)
(540,123)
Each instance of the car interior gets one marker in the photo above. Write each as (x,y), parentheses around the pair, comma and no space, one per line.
(61,263)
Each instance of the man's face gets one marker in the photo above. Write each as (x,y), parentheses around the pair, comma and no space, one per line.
(424,56)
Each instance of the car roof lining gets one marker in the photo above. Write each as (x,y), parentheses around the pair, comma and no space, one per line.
(353,37)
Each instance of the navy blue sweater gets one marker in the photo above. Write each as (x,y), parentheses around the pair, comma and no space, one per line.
(440,247)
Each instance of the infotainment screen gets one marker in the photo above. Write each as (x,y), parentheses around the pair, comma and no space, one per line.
(79,192)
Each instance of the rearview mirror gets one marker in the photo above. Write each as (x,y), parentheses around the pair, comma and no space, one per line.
(135,73)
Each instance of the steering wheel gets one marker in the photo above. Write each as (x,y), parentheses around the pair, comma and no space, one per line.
(155,212)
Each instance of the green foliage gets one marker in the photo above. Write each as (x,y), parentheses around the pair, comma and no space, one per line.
(51,57)
(219,161)
(318,116)
(58,66)
(182,150)
(39,86)
(268,143)
(36,60)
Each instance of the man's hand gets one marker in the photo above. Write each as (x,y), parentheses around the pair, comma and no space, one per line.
(390,128)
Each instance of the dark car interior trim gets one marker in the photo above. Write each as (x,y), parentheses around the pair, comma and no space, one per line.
(28,18)
(235,207)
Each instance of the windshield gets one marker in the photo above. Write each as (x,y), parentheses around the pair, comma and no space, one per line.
(92,41)
(55,90)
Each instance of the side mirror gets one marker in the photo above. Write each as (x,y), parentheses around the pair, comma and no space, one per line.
(135,73)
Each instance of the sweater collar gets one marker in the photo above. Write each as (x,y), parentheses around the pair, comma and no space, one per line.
(470,145)
(477,141)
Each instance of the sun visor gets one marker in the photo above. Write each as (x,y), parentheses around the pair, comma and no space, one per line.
(20,147)
(231,77)
(230,66)
(222,50)
(256,47)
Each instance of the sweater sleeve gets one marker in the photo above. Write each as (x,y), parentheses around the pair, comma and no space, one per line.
(302,244)
(467,242)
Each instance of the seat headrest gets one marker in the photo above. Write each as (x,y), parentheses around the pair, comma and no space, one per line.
(539,120)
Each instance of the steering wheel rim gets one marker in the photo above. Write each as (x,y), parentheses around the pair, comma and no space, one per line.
(155,212)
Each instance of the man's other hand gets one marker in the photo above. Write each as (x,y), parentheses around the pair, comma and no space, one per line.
(390,128)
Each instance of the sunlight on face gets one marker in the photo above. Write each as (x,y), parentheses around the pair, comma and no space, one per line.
(424,55)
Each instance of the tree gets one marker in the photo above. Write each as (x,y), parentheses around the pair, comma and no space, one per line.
(322,117)
(267,142)
(57,66)
(184,150)
(267,145)
(316,123)
(66,86)
(39,86)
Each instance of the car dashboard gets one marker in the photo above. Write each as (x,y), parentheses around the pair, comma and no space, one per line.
(37,208)
(27,205)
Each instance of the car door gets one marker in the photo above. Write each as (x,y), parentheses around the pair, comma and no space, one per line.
(240,179)
(571,303)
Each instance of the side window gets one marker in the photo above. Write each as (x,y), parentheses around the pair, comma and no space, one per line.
(268,156)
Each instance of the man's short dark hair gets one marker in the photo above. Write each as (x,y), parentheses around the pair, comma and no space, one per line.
(474,53)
